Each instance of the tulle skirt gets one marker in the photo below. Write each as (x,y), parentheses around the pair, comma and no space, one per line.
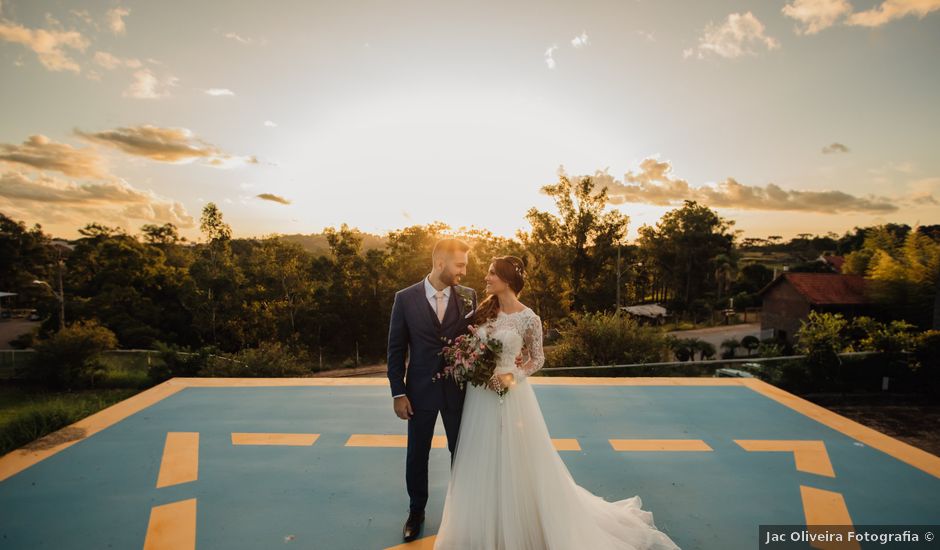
(510,490)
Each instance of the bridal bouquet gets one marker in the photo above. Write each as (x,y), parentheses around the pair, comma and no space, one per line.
(471,358)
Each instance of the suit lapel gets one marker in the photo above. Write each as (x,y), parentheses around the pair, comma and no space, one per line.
(452,312)
(460,305)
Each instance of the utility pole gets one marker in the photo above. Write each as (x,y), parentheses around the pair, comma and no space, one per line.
(618,278)
(59,246)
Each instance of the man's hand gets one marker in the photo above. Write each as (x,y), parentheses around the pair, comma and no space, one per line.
(403,407)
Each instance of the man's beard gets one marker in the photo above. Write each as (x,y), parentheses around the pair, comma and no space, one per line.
(448,277)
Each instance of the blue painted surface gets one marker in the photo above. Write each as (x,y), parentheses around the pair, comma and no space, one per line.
(98,493)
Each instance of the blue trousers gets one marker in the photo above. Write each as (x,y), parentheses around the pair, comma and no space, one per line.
(420,434)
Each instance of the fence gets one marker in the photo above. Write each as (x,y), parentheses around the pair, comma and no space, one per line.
(690,368)
(138,360)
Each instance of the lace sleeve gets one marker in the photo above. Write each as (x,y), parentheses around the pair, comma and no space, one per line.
(532,355)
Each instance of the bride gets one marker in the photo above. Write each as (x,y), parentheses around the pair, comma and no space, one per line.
(509,489)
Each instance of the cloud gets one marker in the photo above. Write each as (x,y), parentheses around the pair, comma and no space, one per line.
(41,153)
(246,40)
(549,60)
(85,17)
(580,40)
(890,10)
(922,191)
(49,45)
(219,92)
(273,198)
(816,15)
(739,35)
(116,17)
(147,86)
(68,204)
(270,124)
(111,62)
(834,148)
(655,184)
(174,145)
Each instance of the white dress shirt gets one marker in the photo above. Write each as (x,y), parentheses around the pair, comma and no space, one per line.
(430,292)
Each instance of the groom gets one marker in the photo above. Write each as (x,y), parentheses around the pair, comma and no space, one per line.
(434,308)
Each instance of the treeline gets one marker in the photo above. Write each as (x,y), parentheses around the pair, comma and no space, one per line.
(329,295)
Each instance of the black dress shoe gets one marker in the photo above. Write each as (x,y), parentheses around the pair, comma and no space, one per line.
(413,525)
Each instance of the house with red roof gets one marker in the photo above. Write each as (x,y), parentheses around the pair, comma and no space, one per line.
(833,261)
(790,297)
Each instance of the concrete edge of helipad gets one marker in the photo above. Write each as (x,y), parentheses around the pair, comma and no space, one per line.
(44,447)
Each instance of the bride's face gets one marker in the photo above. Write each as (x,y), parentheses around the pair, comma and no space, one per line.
(494,284)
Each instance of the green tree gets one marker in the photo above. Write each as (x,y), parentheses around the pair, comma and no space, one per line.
(682,245)
(214,293)
(575,250)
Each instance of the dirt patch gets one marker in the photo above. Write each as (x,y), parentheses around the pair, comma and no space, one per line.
(910,419)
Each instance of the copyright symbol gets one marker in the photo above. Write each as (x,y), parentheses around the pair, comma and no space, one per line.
(928,536)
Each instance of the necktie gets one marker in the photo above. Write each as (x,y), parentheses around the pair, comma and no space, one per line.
(440,305)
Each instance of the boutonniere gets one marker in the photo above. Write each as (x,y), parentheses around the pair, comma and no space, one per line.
(466,299)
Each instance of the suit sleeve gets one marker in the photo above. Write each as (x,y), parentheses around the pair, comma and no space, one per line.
(397,346)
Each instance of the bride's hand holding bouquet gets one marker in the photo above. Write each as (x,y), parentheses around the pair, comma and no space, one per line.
(472,358)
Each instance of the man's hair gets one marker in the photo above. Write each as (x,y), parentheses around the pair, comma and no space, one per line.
(449,246)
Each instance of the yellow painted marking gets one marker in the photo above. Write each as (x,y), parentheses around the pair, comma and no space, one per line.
(239,438)
(172,526)
(180,462)
(23,458)
(659,445)
(810,455)
(566,444)
(823,507)
(909,454)
(424,543)
(18,460)
(383,440)
(437,442)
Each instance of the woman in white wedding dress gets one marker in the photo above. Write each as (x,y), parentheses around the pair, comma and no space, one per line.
(509,489)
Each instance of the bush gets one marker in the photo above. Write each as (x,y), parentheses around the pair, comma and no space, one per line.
(730,347)
(606,339)
(70,358)
(751,343)
(927,368)
(267,360)
(822,336)
(685,348)
(179,361)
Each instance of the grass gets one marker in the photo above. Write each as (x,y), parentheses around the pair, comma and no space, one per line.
(28,413)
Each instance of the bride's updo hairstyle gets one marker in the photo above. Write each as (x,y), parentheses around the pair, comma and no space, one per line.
(511,270)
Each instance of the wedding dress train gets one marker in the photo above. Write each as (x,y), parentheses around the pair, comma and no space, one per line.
(509,489)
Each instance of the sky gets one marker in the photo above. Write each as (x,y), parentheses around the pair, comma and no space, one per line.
(788,117)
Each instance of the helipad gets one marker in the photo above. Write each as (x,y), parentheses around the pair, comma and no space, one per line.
(320,463)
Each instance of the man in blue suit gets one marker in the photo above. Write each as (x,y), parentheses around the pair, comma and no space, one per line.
(423,314)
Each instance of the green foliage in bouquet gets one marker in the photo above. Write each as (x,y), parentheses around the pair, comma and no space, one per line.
(470,358)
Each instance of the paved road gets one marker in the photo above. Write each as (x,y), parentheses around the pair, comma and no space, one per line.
(716,335)
(11,328)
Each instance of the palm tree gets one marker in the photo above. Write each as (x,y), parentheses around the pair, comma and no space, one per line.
(725,272)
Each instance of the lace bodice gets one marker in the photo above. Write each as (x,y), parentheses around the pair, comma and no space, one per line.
(519,331)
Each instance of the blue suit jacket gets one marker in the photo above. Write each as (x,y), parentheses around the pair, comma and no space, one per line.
(415,330)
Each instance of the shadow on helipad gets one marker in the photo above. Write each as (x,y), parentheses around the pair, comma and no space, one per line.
(319,463)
